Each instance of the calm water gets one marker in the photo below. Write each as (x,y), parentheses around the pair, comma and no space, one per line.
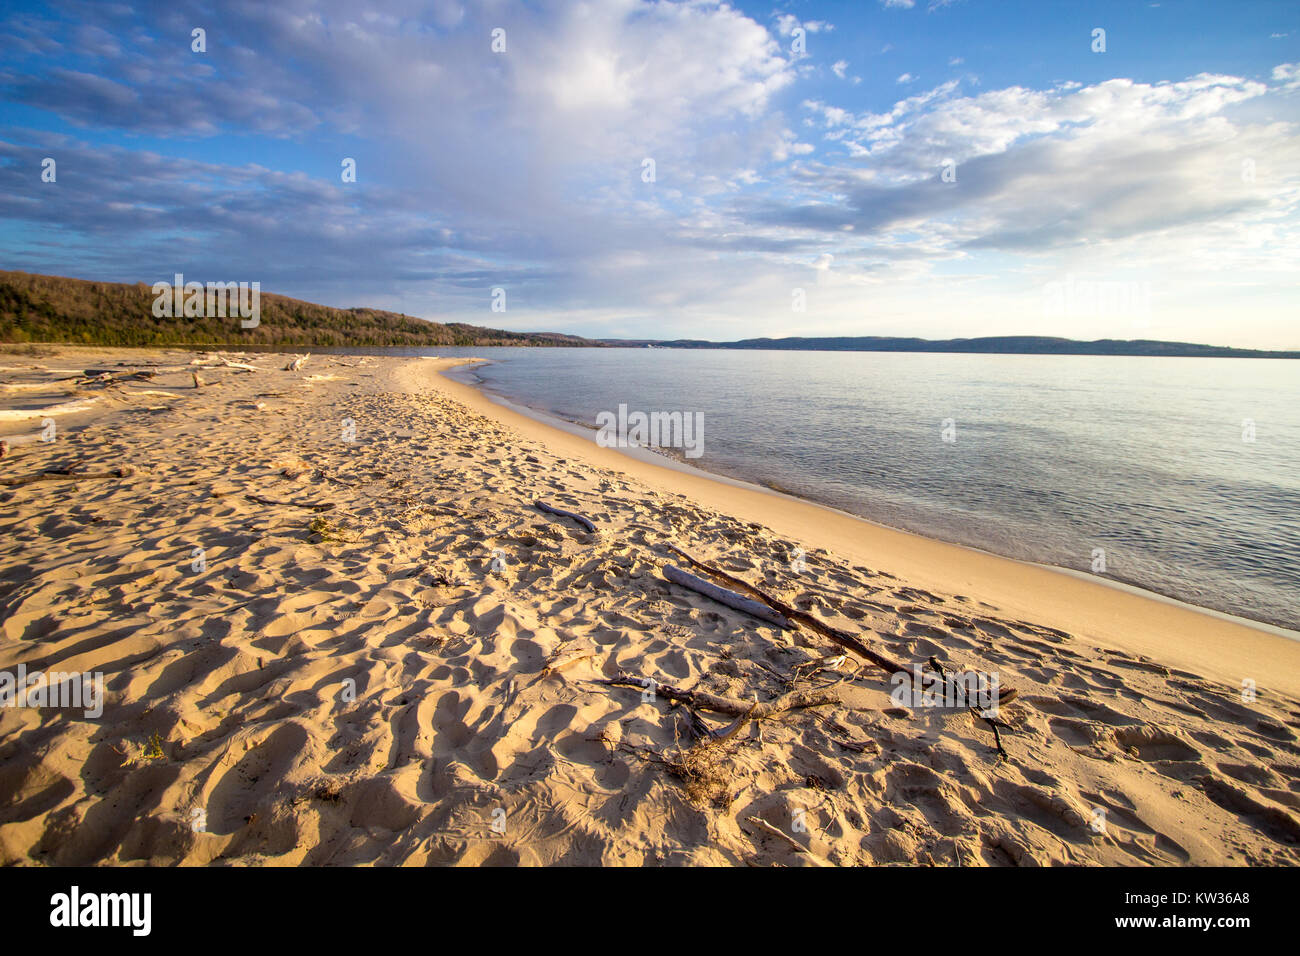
(1054,456)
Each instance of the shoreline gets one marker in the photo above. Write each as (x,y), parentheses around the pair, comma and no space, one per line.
(666,461)
(1110,614)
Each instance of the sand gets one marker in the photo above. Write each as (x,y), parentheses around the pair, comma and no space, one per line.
(409,677)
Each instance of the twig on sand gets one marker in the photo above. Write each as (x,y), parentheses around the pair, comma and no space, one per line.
(729,598)
(703,700)
(777,832)
(561,513)
(992,722)
(554,666)
(312,505)
(67,474)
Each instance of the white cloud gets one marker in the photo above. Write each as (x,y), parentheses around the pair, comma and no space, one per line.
(1288,74)
(786,23)
(839,68)
(906,78)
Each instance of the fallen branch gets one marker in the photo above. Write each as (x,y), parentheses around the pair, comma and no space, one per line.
(843,638)
(722,735)
(312,505)
(703,700)
(777,832)
(67,474)
(992,722)
(561,513)
(730,598)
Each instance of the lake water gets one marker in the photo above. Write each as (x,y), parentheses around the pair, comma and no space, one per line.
(1147,463)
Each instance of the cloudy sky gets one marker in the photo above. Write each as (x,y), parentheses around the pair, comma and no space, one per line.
(664,169)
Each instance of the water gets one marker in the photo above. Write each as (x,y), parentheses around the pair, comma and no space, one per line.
(1056,459)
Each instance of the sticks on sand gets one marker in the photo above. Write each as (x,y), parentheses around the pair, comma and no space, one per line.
(992,722)
(702,700)
(843,638)
(67,474)
(561,513)
(776,832)
(312,505)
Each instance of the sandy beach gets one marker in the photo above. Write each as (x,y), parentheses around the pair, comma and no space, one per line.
(334,628)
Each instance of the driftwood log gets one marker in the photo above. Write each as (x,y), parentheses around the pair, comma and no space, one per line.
(105,378)
(729,598)
(561,513)
(703,700)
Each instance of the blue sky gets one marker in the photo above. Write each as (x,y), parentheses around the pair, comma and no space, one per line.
(873,167)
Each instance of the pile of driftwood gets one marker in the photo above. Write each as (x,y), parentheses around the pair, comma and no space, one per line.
(143,371)
(106,379)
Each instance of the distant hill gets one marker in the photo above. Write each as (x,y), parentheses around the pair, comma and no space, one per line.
(1000,344)
(39,308)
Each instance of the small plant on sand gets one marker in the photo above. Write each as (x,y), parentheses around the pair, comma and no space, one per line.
(330,792)
(154,751)
(325,529)
(149,751)
(705,773)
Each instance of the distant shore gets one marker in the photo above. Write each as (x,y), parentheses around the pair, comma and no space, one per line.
(37,308)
